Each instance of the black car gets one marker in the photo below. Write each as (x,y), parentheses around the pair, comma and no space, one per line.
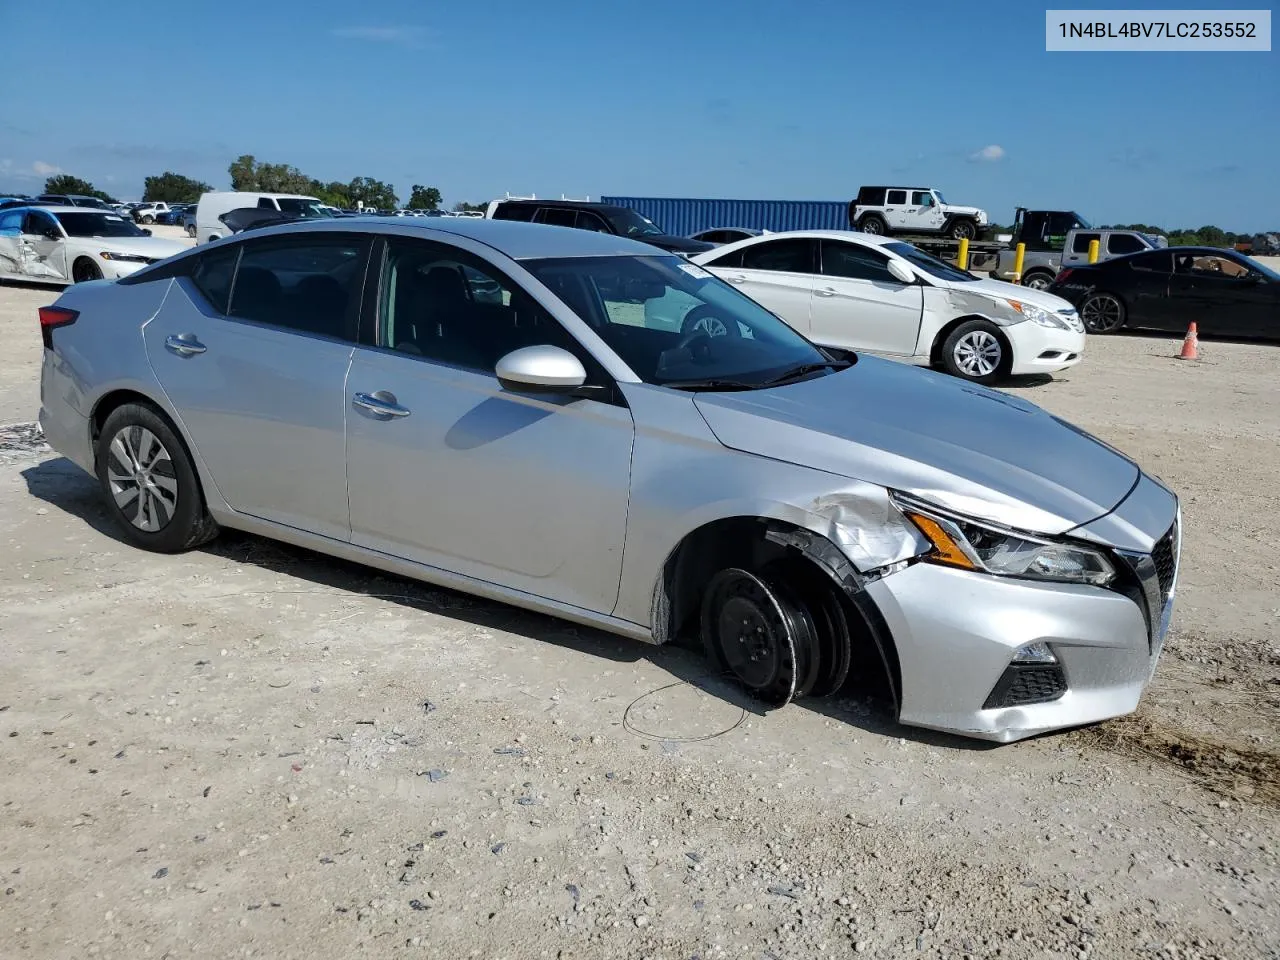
(1222,291)
(600,217)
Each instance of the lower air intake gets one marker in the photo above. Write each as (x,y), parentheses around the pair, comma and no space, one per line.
(1024,683)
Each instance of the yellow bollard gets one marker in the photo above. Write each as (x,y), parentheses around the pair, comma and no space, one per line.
(1093,251)
(962,260)
(1020,251)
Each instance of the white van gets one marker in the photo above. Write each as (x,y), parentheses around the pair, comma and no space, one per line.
(214,204)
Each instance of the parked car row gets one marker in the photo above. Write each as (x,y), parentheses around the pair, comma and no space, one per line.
(803,512)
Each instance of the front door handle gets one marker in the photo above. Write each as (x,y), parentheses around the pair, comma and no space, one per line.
(382,404)
(825,292)
(736,279)
(185,344)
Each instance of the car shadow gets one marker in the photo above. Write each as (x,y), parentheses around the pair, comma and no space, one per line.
(1029,380)
(53,288)
(61,484)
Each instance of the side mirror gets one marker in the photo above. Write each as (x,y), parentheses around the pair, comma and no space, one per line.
(52,234)
(147,231)
(903,273)
(541,369)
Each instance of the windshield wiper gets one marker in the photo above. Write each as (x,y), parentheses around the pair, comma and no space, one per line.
(804,368)
(710,384)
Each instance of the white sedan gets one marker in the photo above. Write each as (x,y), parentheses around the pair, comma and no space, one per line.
(879,295)
(71,244)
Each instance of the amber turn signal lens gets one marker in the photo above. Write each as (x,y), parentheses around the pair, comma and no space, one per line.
(945,549)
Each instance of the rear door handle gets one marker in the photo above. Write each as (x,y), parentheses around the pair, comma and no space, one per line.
(825,292)
(382,404)
(185,344)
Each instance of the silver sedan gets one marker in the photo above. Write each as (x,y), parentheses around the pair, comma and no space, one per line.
(479,404)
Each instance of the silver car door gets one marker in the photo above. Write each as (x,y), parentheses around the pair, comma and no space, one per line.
(447,468)
(258,384)
(858,304)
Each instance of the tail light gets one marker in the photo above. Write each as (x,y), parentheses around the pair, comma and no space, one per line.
(1063,274)
(51,317)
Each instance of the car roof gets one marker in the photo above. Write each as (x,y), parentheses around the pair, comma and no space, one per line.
(54,208)
(515,239)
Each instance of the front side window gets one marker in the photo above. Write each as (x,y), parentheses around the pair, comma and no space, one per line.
(37,224)
(1209,265)
(921,198)
(309,283)
(896,197)
(442,304)
(92,224)
(1121,243)
(793,255)
(591,221)
(855,262)
(674,323)
(627,223)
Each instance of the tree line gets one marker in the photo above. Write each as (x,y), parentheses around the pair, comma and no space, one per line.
(249,174)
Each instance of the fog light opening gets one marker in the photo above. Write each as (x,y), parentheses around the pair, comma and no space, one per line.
(1038,652)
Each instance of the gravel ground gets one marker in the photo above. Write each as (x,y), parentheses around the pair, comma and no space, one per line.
(251,750)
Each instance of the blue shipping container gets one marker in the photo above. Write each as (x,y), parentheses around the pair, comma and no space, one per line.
(682,217)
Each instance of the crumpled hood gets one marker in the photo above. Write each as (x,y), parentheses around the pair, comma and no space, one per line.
(155,247)
(980,452)
(1013,291)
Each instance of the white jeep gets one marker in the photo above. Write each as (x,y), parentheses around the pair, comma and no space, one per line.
(889,210)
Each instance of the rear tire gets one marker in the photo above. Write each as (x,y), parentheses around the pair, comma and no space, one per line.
(1038,280)
(84,270)
(873,224)
(150,482)
(1103,313)
(976,352)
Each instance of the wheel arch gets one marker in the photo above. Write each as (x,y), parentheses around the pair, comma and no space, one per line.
(751,542)
(116,397)
(940,338)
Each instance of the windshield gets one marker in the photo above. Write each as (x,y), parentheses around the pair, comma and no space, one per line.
(94,224)
(930,265)
(628,223)
(941,198)
(303,207)
(672,322)
(90,202)
(1261,267)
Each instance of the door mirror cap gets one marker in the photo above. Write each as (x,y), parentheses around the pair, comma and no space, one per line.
(901,271)
(540,369)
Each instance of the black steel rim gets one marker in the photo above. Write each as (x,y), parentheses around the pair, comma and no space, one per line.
(751,635)
(1101,314)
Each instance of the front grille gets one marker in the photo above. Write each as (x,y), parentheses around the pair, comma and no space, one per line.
(1024,683)
(1165,557)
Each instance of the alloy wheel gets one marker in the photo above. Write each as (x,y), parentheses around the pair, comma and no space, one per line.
(1102,313)
(141,477)
(1037,281)
(711,326)
(978,353)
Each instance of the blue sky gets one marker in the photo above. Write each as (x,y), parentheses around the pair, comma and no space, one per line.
(702,98)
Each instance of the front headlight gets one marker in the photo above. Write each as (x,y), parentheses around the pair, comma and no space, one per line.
(963,543)
(124,257)
(1039,315)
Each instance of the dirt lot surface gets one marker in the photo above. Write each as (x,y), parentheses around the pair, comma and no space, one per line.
(251,750)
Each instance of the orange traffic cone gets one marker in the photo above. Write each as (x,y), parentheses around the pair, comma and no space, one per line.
(1190,345)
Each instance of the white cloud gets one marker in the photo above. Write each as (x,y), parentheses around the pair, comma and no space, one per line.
(402,36)
(42,169)
(988,154)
